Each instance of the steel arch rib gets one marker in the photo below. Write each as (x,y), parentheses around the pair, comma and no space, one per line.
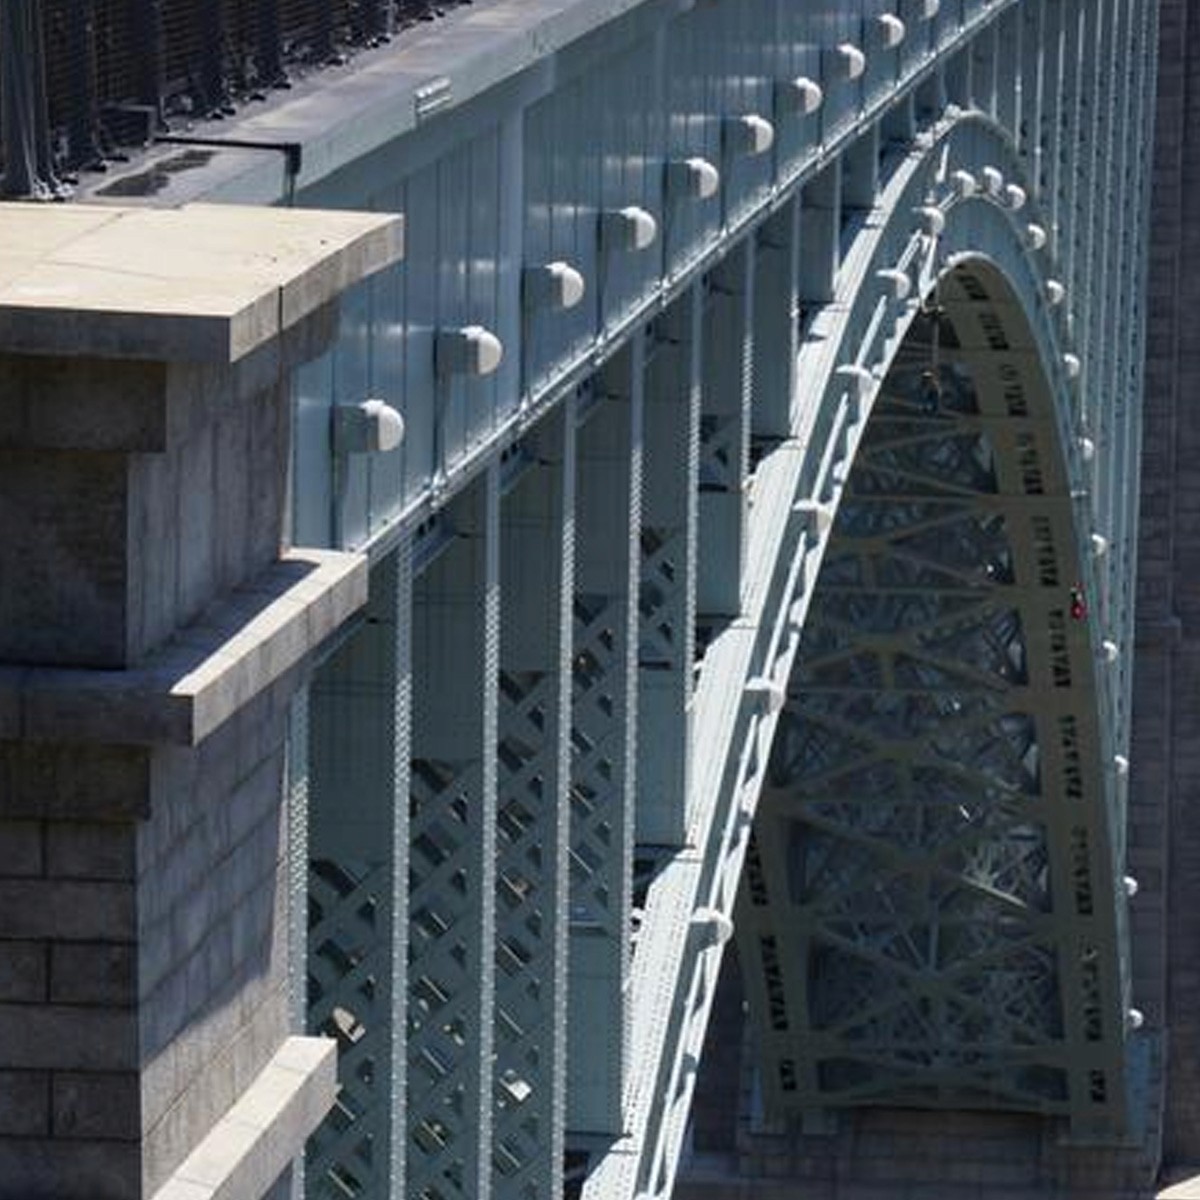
(796,492)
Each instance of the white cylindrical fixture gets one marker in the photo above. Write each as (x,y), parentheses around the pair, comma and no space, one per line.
(372,427)
(1071,365)
(713,927)
(1055,292)
(628,230)
(897,280)
(692,179)
(891,29)
(1130,884)
(800,95)
(965,184)
(850,60)
(1110,650)
(1121,764)
(1099,545)
(471,350)
(993,180)
(773,695)
(928,9)
(1016,196)
(748,135)
(1035,235)
(858,376)
(556,285)
(1087,449)
(932,218)
(1134,1019)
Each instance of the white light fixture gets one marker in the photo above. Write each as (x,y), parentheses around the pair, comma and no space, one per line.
(965,184)
(627,230)
(1134,1019)
(799,95)
(1130,884)
(1071,365)
(1055,292)
(1110,650)
(1099,545)
(1016,196)
(692,179)
(1121,764)
(849,61)
(713,926)
(554,285)
(993,180)
(773,695)
(933,219)
(372,427)
(897,280)
(891,29)
(748,135)
(471,350)
(928,9)
(1035,235)
(1087,449)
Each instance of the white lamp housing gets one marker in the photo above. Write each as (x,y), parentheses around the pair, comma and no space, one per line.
(1016,196)
(891,29)
(1130,884)
(1121,764)
(773,695)
(627,230)
(819,518)
(692,179)
(897,280)
(928,9)
(748,135)
(1087,449)
(1134,1019)
(849,60)
(713,927)
(1099,545)
(1055,292)
(993,180)
(1110,650)
(799,95)
(555,285)
(471,350)
(372,427)
(1035,235)
(859,376)
(1072,365)
(965,184)
(932,218)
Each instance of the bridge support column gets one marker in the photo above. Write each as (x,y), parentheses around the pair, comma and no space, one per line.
(152,636)
(604,720)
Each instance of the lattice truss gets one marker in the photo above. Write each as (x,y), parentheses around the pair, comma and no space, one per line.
(911,933)
(443,1038)
(525,938)
(348,999)
(598,750)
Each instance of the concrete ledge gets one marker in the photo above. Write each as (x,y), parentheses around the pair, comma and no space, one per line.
(201,283)
(240,647)
(1181,1184)
(249,1147)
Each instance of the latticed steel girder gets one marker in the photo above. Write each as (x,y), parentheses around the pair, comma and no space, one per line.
(930,907)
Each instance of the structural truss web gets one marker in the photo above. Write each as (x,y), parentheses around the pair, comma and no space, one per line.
(921,904)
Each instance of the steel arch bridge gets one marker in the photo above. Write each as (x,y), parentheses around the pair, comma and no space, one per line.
(757,562)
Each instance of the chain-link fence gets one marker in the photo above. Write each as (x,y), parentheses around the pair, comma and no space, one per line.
(82,81)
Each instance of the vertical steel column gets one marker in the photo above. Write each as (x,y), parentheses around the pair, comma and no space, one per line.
(536,564)
(603,741)
(820,222)
(358,837)
(776,324)
(728,381)
(667,595)
(24,135)
(452,873)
